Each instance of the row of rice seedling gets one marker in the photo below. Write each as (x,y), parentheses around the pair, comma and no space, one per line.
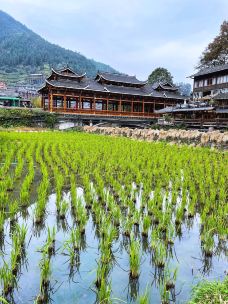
(137,194)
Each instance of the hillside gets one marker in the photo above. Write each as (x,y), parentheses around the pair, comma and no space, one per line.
(23,52)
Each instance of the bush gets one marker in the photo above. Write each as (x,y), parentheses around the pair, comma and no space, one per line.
(215,292)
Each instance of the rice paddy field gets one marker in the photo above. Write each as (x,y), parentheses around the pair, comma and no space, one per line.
(89,218)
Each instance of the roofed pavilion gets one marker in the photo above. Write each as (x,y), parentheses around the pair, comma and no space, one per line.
(107,94)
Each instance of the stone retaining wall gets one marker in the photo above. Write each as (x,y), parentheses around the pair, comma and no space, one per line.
(195,137)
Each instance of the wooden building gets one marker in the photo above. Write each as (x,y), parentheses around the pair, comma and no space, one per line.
(108,94)
(210,82)
(11,98)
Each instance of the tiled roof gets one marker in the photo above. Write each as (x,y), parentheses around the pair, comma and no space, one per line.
(64,74)
(221,96)
(92,85)
(176,109)
(211,70)
(121,78)
(83,83)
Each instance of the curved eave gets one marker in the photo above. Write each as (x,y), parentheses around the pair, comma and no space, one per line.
(163,87)
(87,88)
(43,87)
(133,83)
(66,76)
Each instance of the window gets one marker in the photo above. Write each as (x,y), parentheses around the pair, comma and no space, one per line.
(209,81)
(222,79)
(200,83)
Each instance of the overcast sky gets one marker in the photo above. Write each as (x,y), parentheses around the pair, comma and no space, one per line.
(133,36)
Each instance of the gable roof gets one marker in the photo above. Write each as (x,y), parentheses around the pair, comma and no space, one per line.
(81,82)
(63,74)
(222,96)
(166,86)
(119,78)
(211,70)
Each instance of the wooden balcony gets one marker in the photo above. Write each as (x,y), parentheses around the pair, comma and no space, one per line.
(211,87)
(104,113)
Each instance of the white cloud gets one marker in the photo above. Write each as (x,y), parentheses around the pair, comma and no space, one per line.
(134,36)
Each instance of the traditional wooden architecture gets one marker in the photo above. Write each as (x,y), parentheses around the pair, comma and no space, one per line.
(197,114)
(210,100)
(108,94)
(210,82)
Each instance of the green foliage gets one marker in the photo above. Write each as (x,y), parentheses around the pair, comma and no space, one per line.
(133,203)
(216,52)
(160,75)
(22,49)
(206,292)
(25,117)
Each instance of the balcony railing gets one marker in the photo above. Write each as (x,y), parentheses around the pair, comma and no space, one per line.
(104,112)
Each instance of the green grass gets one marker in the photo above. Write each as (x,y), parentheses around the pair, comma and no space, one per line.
(215,292)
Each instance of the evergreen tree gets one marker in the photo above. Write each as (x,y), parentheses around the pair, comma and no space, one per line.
(216,52)
(160,75)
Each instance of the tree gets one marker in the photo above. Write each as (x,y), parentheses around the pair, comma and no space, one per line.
(216,52)
(160,75)
(184,88)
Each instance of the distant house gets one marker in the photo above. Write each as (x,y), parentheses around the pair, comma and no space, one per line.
(9,98)
(209,107)
(210,82)
(3,85)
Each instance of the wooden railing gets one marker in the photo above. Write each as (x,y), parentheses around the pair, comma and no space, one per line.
(105,112)
(201,122)
(211,87)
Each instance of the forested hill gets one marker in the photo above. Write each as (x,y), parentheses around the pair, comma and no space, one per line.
(23,52)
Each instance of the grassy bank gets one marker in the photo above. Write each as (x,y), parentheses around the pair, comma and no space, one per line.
(215,292)
(26,117)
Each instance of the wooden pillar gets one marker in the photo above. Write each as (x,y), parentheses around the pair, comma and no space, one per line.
(120,105)
(154,107)
(64,102)
(107,103)
(132,108)
(143,107)
(80,101)
(42,102)
(51,102)
(94,103)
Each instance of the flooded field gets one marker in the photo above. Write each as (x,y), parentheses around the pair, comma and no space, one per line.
(93,219)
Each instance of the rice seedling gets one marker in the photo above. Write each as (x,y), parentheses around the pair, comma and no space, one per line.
(2,221)
(13,210)
(7,279)
(45,271)
(102,272)
(160,254)
(63,208)
(164,294)
(207,240)
(104,292)
(134,256)
(144,298)
(113,187)
(170,278)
